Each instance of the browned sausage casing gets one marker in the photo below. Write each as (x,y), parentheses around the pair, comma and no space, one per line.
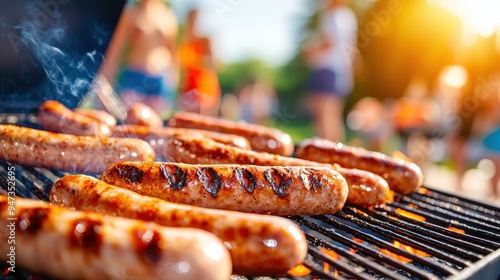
(38,148)
(258,244)
(402,176)
(274,190)
(261,138)
(157,136)
(142,114)
(67,244)
(55,117)
(365,188)
(98,115)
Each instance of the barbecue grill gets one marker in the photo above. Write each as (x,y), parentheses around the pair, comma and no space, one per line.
(429,234)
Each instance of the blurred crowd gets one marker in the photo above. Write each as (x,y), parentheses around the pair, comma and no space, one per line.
(406,75)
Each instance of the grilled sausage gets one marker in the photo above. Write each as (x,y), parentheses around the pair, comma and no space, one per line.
(69,244)
(402,176)
(98,115)
(157,136)
(258,244)
(142,114)
(261,138)
(38,148)
(365,188)
(55,117)
(255,189)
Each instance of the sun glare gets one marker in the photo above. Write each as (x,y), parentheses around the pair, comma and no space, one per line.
(455,76)
(480,16)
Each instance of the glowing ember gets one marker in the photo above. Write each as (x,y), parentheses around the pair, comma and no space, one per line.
(407,248)
(299,270)
(410,215)
(389,197)
(357,240)
(4,272)
(330,253)
(423,190)
(326,266)
(456,230)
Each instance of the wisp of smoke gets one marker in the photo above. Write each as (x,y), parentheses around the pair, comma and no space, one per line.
(68,75)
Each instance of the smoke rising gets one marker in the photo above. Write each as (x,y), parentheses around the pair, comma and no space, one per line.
(51,49)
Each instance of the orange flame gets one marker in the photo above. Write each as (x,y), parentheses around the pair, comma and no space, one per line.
(357,240)
(410,215)
(456,230)
(423,190)
(330,253)
(299,270)
(389,197)
(326,266)
(410,249)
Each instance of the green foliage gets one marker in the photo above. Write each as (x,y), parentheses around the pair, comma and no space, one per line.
(291,84)
(234,75)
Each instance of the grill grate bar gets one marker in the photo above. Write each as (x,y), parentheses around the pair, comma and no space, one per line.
(433,233)
(38,188)
(364,262)
(462,201)
(458,209)
(451,214)
(384,244)
(375,253)
(5,186)
(413,243)
(337,264)
(317,271)
(362,241)
(25,181)
(399,231)
(449,222)
(46,178)
(478,240)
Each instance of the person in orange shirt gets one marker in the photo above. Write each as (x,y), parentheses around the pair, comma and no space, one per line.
(141,60)
(200,90)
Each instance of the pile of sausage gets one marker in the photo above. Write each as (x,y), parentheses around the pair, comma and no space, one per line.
(190,200)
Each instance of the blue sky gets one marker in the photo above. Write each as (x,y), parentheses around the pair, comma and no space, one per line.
(243,29)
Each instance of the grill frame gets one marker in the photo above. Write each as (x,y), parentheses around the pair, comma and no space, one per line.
(374,226)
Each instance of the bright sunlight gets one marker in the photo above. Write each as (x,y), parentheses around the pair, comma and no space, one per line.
(480,16)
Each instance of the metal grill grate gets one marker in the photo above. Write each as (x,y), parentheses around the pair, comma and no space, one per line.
(427,235)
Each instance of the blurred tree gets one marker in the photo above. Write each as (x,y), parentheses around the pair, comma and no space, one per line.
(233,75)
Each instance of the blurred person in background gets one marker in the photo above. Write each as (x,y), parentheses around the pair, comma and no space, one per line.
(200,90)
(256,102)
(370,118)
(478,104)
(330,60)
(143,48)
(491,141)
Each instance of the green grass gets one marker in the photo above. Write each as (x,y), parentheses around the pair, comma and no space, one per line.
(299,131)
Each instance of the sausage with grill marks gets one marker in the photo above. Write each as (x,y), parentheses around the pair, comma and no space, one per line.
(402,176)
(274,190)
(38,148)
(54,116)
(258,244)
(365,188)
(63,243)
(158,136)
(261,138)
